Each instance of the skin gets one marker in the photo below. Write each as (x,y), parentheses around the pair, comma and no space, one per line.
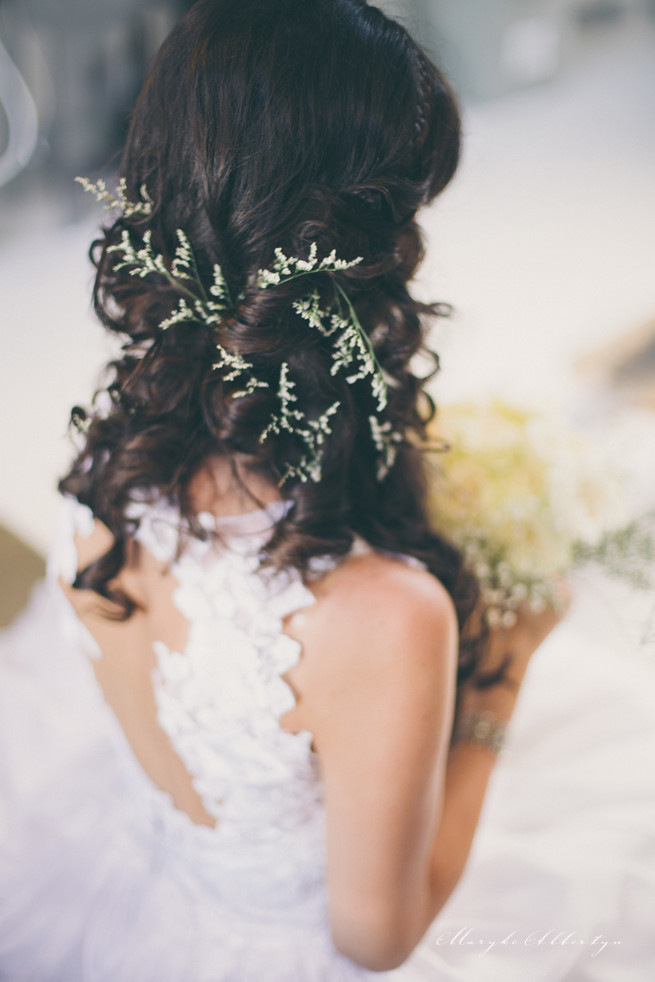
(375,685)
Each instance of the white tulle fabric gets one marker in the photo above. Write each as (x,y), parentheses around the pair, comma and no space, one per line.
(102,879)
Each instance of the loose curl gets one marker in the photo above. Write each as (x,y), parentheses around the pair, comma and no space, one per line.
(268,125)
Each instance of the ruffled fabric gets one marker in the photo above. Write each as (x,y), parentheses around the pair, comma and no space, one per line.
(102,879)
(220,701)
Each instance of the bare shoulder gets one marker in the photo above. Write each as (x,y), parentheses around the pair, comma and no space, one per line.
(377,685)
(377,595)
(377,617)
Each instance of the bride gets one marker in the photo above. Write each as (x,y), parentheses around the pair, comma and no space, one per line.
(248,723)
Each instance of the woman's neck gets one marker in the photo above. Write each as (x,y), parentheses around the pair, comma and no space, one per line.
(228,486)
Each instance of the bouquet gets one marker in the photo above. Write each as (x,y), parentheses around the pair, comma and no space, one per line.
(527,498)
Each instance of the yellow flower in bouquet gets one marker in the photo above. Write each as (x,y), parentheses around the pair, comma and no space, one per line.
(519,493)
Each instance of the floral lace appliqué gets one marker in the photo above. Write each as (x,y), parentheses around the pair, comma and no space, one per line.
(220,701)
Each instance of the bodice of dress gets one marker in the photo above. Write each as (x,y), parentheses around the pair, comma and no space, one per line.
(102,879)
(220,700)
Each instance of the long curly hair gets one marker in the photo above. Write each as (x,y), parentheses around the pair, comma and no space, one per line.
(264,125)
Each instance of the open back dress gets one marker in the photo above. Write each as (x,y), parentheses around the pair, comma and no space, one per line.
(104,879)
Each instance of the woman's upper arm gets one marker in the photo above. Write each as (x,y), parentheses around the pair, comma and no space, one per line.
(384,639)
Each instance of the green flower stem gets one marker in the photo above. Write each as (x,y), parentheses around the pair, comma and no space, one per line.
(363,335)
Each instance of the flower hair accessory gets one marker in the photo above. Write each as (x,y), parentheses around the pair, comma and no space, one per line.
(352,350)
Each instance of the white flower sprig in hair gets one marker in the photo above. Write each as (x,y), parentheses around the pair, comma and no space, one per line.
(120,200)
(287,268)
(337,320)
(311,431)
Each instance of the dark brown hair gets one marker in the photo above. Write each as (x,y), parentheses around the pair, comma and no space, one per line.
(264,125)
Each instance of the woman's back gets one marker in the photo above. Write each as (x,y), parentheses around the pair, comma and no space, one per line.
(198,797)
(194,595)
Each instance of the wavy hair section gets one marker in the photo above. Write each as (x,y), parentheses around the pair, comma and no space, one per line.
(264,126)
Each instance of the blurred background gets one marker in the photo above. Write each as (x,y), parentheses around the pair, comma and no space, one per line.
(544,243)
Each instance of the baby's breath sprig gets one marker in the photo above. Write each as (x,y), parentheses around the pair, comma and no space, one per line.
(310,309)
(238,366)
(352,348)
(627,552)
(140,262)
(312,433)
(355,344)
(119,201)
(286,268)
(386,441)
(195,305)
(284,419)
(352,342)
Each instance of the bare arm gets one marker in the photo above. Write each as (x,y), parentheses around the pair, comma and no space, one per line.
(380,649)
(402,807)
(470,765)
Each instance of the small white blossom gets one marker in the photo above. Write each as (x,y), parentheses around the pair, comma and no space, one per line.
(285,268)
(237,366)
(120,200)
(266,277)
(184,264)
(219,288)
(139,262)
(180,315)
(310,310)
(313,435)
(386,441)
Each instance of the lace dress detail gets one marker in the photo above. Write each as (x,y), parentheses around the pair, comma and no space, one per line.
(142,893)
(102,879)
(221,699)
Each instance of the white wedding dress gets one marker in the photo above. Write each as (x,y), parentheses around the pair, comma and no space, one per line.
(102,879)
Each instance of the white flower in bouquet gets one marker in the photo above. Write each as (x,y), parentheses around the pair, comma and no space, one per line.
(524,496)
